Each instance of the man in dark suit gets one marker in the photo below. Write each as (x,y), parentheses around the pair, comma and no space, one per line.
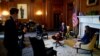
(11,34)
(63,28)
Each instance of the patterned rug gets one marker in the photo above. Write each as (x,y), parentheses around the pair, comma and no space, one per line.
(69,51)
(61,50)
(65,51)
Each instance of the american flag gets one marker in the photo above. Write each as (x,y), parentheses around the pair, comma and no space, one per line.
(74,19)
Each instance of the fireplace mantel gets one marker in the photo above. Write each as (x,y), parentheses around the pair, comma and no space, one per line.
(90,19)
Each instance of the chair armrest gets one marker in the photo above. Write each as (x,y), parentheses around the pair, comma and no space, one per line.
(51,48)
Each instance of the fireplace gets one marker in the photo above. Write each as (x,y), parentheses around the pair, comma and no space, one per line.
(92,21)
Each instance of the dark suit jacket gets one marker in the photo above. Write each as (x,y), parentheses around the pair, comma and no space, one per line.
(64,30)
(10,34)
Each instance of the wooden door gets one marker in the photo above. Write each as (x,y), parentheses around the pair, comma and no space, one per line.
(56,19)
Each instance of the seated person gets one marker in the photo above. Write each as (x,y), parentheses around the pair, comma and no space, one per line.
(63,29)
(86,38)
(43,28)
(44,31)
(58,38)
(30,26)
(39,30)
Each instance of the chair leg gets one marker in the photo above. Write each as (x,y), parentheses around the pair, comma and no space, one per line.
(56,44)
(77,50)
(91,52)
(47,36)
(55,53)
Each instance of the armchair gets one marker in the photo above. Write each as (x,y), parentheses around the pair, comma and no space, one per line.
(40,49)
(89,46)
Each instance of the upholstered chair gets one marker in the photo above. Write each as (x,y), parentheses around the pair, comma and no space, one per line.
(89,46)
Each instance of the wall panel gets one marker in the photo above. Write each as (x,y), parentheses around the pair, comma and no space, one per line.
(49,7)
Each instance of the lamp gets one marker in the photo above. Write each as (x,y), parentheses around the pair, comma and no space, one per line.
(39,12)
(68,28)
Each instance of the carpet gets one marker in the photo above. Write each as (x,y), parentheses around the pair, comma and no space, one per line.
(61,50)
(67,50)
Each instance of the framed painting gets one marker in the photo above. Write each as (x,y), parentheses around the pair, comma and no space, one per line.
(91,2)
(22,11)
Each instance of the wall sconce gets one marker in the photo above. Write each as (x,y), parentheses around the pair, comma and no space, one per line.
(39,12)
(4,16)
(5,13)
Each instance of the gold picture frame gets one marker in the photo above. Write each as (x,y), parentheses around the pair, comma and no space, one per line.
(91,2)
(22,11)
